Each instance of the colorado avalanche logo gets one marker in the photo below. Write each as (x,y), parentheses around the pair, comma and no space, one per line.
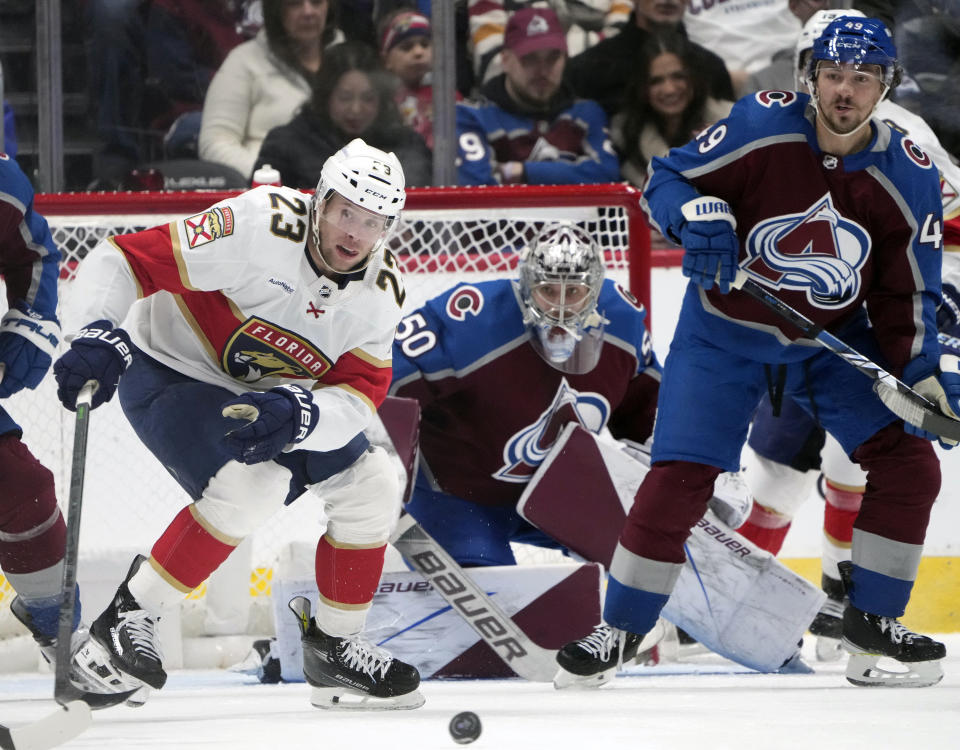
(526,449)
(818,252)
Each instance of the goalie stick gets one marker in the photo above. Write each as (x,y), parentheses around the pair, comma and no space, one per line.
(508,641)
(896,395)
(73,716)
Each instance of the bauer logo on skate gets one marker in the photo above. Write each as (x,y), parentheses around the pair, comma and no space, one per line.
(817,251)
(208,226)
(259,349)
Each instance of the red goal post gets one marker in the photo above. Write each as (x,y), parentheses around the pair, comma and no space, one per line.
(446,235)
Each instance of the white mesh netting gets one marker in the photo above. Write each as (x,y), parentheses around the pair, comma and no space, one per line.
(445,236)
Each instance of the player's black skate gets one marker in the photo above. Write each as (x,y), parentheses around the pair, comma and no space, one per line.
(352,673)
(868,638)
(128,633)
(827,626)
(96,695)
(593,660)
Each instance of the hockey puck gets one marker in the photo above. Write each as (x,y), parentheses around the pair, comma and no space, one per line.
(465,727)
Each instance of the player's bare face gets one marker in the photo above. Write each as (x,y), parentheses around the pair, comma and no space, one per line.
(560,301)
(847,94)
(410,60)
(348,233)
(669,86)
(304,20)
(534,78)
(354,103)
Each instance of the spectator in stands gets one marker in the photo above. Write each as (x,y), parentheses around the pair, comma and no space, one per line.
(528,127)
(604,71)
(745,33)
(779,74)
(187,41)
(352,99)
(586,23)
(927,34)
(264,81)
(407,52)
(150,60)
(666,105)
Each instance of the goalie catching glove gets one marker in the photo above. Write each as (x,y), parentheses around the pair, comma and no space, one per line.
(941,388)
(28,341)
(711,246)
(99,352)
(281,416)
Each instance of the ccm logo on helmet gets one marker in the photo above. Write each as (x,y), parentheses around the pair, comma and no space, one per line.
(375,194)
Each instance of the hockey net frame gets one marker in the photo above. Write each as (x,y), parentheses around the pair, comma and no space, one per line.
(446,235)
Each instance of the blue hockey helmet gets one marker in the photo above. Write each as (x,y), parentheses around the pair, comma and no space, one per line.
(861,41)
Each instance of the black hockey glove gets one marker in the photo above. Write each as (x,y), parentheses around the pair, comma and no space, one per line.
(98,352)
(276,418)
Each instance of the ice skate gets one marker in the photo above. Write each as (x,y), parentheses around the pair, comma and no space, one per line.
(869,637)
(352,673)
(593,660)
(96,694)
(128,634)
(827,626)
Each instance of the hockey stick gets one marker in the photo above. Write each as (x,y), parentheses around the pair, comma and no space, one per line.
(73,716)
(896,395)
(508,641)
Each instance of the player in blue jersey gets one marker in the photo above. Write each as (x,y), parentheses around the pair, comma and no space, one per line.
(32,528)
(499,367)
(841,216)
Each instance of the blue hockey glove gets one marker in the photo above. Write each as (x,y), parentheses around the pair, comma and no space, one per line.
(948,314)
(711,246)
(942,388)
(28,341)
(278,417)
(98,352)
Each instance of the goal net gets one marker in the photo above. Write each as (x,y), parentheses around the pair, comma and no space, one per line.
(446,235)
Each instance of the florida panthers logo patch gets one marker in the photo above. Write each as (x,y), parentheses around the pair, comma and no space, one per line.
(526,449)
(209,226)
(259,350)
(818,252)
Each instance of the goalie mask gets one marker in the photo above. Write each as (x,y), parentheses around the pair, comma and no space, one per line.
(560,278)
(356,205)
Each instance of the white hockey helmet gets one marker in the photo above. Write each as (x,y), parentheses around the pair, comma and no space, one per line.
(561,274)
(366,176)
(812,30)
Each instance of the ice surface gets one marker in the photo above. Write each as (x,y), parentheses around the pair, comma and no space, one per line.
(703,702)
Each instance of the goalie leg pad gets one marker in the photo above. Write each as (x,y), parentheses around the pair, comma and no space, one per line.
(731,596)
(32,529)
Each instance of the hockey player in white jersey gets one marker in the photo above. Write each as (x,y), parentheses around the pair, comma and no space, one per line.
(255,347)
(785,449)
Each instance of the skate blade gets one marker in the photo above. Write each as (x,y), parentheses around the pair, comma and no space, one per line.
(344,699)
(863,671)
(87,675)
(564,680)
(828,649)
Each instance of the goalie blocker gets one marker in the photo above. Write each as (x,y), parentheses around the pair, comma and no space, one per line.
(733,597)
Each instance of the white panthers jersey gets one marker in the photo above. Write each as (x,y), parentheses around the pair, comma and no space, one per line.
(230,296)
